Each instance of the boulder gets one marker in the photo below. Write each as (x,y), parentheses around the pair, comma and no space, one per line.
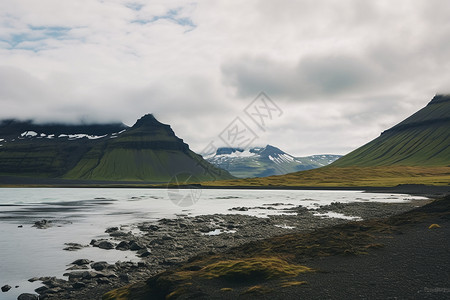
(105,245)
(111,229)
(101,265)
(123,246)
(27,296)
(134,246)
(6,288)
(42,224)
(81,261)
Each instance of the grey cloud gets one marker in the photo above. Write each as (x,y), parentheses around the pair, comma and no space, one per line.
(313,76)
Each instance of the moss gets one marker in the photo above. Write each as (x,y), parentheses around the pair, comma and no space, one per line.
(252,268)
(292,283)
(257,289)
(433,226)
(117,294)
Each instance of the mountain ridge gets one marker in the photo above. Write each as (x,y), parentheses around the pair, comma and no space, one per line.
(264,161)
(147,151)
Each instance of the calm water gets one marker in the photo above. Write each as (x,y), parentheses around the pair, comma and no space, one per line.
(79,215)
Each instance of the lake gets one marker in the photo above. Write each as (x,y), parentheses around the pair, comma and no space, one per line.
(79,215)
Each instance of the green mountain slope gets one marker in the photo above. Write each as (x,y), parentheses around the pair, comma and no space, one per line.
(423,139)
(149,151)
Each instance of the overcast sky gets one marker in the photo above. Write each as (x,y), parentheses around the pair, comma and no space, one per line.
(337,72)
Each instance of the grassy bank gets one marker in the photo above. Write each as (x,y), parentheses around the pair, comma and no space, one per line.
(381,176)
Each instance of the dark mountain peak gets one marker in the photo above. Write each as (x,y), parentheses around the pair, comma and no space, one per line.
(270,150)
(148,121)
(228,150)
(440,98)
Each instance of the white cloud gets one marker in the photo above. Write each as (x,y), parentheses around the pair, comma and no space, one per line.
(340,70)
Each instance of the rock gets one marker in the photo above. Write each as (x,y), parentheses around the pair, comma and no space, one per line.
(74,246)
(167,237)
(27,296)
(103,281)
(89,275)
(143,253)
(83,267)
(238,208)
(81,261)
(42,224)
(123,246)
(6,288)
(85,275)
(105,274)
(124,277)
(105,245)
(172,260)
(152,228)
(41,290)
(101,265)
(111,229)
(33,279)
(78,285)
(119,234)
(74,275)
(52,291)
(134,246)
(54,282)
(20,226)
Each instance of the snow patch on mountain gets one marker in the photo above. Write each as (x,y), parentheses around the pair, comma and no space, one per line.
(28,134)
(80,136)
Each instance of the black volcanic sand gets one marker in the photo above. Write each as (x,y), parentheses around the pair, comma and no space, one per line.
(399,257)
(165,245)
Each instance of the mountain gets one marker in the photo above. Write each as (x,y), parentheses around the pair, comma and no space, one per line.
(423,139)
(148,151)
(264,161)
(415,151)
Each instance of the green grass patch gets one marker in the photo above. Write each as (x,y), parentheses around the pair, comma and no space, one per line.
(252,268)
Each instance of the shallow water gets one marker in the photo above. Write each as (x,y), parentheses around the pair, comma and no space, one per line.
(79,215)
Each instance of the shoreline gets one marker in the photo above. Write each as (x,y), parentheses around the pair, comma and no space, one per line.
(430,191)
(169,242)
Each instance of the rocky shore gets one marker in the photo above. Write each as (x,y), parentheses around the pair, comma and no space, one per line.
(166,243)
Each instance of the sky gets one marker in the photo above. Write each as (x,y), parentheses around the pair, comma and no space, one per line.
(307,76)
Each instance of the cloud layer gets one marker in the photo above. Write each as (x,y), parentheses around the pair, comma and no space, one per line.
(341,71)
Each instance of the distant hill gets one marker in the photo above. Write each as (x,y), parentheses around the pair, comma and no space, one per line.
(264,161)
(148,151)
(415,151)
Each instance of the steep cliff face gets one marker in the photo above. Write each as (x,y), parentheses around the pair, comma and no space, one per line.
(423,139)
(147,151)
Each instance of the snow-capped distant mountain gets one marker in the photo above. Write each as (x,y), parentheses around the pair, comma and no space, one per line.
(264,161)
